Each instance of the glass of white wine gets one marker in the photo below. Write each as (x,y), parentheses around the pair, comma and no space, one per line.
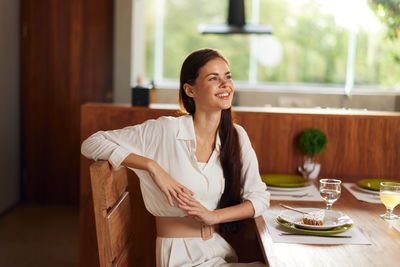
(330,190)
(390,197)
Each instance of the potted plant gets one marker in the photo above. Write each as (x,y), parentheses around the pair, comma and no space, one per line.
(312,142)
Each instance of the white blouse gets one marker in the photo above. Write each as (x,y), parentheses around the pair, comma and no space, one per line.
(171,142)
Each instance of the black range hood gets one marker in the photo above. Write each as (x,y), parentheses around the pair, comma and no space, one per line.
(236,23)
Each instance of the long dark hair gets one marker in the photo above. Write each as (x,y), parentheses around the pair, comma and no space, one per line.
(230,155)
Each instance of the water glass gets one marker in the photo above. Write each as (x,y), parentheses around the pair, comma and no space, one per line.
(330,190)
(390,197)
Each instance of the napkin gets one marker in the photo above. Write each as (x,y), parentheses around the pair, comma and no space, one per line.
(275,229)
(307,193)
(362,195)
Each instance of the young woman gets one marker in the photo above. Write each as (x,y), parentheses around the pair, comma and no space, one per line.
(196,171)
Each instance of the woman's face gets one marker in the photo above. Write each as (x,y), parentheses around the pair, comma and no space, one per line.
(213,88)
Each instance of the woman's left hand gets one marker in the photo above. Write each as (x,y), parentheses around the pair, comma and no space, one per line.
(197,211)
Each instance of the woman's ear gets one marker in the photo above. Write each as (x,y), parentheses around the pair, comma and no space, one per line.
(188,90)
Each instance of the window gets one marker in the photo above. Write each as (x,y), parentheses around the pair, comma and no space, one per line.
(316,43)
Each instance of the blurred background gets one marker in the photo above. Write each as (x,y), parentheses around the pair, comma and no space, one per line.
(330,54)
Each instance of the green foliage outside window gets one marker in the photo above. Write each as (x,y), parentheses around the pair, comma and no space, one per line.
(315,47)
(389,13)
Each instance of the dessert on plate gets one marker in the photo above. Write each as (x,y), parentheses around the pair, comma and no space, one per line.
(314,218)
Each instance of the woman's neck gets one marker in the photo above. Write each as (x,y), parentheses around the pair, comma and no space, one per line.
(206,124)
(205,128)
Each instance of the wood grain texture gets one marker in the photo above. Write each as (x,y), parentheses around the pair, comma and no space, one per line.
(113,220)
(66,56)
(123,260)
(119,225)
(359,146)
(115,187)
(385,240)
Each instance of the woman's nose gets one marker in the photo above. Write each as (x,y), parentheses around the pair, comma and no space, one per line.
(222,82)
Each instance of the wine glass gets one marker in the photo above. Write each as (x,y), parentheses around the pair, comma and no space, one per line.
(390,197)
(329,189)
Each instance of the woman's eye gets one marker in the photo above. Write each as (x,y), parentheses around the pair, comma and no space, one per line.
(212,79)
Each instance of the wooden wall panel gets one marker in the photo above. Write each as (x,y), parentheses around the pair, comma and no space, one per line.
(66,59)
(359,146)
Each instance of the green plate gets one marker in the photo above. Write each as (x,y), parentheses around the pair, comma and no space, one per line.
(335,230)
(284,180)
(373,184)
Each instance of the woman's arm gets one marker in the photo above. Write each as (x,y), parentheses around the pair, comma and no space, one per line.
(125,147)
(113,146)
(168,185)
(254,189)
(196,210)
(238,212)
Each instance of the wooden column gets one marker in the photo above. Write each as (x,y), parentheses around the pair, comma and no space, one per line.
(66,59)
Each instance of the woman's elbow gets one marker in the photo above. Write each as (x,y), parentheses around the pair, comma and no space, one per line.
(88,147)
(85,148)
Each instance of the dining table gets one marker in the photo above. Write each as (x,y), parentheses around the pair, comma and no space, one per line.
(383,236)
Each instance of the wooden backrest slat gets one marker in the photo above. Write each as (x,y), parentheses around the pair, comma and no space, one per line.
(118,224)
(123,258)
(115,186)
(112,207)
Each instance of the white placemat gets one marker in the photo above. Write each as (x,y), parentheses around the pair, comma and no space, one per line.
(275,230)
(307,193)
(362,195)
(394,223)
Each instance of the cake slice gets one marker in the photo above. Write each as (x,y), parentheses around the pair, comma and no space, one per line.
(314,218)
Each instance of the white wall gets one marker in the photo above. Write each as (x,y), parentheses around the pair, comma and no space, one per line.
(122,51)
(129,44)
(9,104)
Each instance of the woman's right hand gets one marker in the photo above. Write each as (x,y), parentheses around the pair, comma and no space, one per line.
(168,185)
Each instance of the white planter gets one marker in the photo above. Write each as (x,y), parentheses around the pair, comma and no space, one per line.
(310,170)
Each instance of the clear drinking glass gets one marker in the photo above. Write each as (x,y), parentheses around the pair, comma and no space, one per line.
(390,197)
(330,190)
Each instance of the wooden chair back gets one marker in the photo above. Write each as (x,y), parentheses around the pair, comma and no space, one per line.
(112,209)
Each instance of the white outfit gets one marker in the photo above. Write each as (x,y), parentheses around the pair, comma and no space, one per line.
(171,142)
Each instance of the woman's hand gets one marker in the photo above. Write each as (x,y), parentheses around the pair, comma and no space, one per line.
(168,185)
(197,211)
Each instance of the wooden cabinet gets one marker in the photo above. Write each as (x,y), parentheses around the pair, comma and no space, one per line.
(66,60)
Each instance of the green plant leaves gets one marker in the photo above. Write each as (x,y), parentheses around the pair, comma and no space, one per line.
(313,141)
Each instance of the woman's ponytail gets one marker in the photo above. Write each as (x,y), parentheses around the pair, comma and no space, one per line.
(231,162)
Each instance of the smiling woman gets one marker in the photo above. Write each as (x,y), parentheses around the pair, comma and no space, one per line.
(196,171)
(213,88)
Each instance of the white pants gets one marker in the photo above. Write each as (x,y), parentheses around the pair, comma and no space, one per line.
(188,252)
